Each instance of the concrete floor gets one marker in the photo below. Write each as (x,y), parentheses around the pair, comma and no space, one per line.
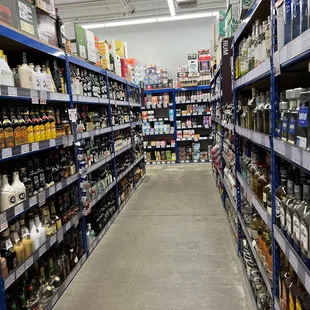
(169,249)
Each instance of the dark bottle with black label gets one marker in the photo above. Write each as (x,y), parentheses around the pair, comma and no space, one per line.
(61,31)
(41,174)
(34,177)
(27,182)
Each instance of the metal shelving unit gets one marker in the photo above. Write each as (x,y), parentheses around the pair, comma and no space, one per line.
(24,42)
(274,72)
(175,105)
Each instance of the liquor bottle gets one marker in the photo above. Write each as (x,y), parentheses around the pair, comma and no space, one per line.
(26,74)
(293,115)
(53,280)
(47,125)
(51,77)
(262,183)
(7,250)
(32,301)
(17,245)
(36,126)
(59,128)
(27,182)
(90,235)
(42,78)
(4,267)
(16,127)
(26,239)
(54,217)
(61,31)
(66,260)
(6,75)
(55,172)
(49,181)
(34,232)
(51,119)
(59,264)
(36,77)
(302,134)
(2,140)
(41,125)
(34,177)
(47,223)
(7,194)
(295,291)
(19,188)
(23,127)
(7,130)
(40,173)
(73,257)
(40,228)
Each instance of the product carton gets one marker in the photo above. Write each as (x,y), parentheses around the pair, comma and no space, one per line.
(47,29)
(120,49)
(105,64)
(98,59)
(8,13)
(27,17)
(47,6)
(221,24)
(76,35)
(91,46)
(112,48)
(117,65)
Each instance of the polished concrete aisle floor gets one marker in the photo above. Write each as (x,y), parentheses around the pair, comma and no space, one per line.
(169,249)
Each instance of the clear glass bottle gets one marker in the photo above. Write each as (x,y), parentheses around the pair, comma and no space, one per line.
(26,239)
(7,251)
(47,223)
(17,245)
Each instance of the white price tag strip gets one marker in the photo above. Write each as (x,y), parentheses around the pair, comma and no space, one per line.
(24,149)
(12,91)
(72,115)
(9,280)
(41,198)
(51,190)
(53,240)
(35,146)
(60,235)
(42,250)
(33,200)
(52,142)
(29,262)
(296,155)
(306,160)
(20,271)
(7,153)
(3,222)
(18,209)
(58,186)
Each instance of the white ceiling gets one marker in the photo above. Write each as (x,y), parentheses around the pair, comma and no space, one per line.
(106,10)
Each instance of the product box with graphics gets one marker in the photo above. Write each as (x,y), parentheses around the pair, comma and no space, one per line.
(8,13)
(47,6)
(27,17)
(47,29)
(91,46)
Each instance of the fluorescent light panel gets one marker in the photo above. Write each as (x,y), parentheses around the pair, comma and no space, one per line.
(150,20)
(171,7)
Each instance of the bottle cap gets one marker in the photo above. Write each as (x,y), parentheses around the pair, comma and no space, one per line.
(283,105)
(297,92)
(5,233)
(12,227)
(21,222)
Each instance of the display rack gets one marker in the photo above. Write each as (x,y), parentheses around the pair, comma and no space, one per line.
(18,42)
(285,68)
(178,141)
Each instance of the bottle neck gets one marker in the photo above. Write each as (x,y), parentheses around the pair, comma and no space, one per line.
(16,176)
(31,224)
(37,220)
(5,180)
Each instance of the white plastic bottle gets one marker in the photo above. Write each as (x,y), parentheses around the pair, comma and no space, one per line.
(34,233)
(26,74)
(42,77)
(50,85)
(19,188)
(6,74)
(7,194)
(40,228)
(36,77)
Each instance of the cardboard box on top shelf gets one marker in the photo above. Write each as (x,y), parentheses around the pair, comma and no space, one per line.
(124,68)
(221,24)
(90,46)
(120,49)
(98,59)
(117,65)
(104,48)
(27,17)
(47,6)
(76,35)
(8,13)
(112,48)
(47,29)
(105,63)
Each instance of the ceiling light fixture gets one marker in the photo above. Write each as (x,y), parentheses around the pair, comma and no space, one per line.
(150,20)
(125,4)
(171,7)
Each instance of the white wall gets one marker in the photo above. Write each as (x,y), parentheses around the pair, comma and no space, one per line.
(165,44)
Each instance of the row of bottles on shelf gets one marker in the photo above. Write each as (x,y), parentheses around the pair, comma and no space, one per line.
(192,96)
(254,49)
(34,176)
(19,126)
(160,101)
(91,151)
(255,113)
(35,288)
(260,292)
(194,108)
(23,238)
(33,77)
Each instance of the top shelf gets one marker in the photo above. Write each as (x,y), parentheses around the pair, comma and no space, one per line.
(167,90)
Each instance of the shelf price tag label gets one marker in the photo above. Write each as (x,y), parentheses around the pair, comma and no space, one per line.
(52,142)
(42,250)
(58,186)
(51,190)
(3,222)
(9,280)
(29,262)
(12,91)
(53,240)
(24,149)
(72,115)
(7,153)
(19,209)
(41,198)
(20,271)
(65,141)
(306,160)
(34,96)
(296,155)
(60,235)
(35,146)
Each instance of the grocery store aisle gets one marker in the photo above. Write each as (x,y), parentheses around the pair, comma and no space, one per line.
(170,248)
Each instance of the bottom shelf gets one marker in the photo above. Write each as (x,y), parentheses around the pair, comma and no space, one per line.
(65,284)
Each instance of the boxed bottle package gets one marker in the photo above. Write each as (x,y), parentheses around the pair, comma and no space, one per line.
(98,58)
(27,17)
(120,49)
(90,46)
(117,65)
(76,35)
(47,29)
(8,13)
(112,47)
(48,6)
